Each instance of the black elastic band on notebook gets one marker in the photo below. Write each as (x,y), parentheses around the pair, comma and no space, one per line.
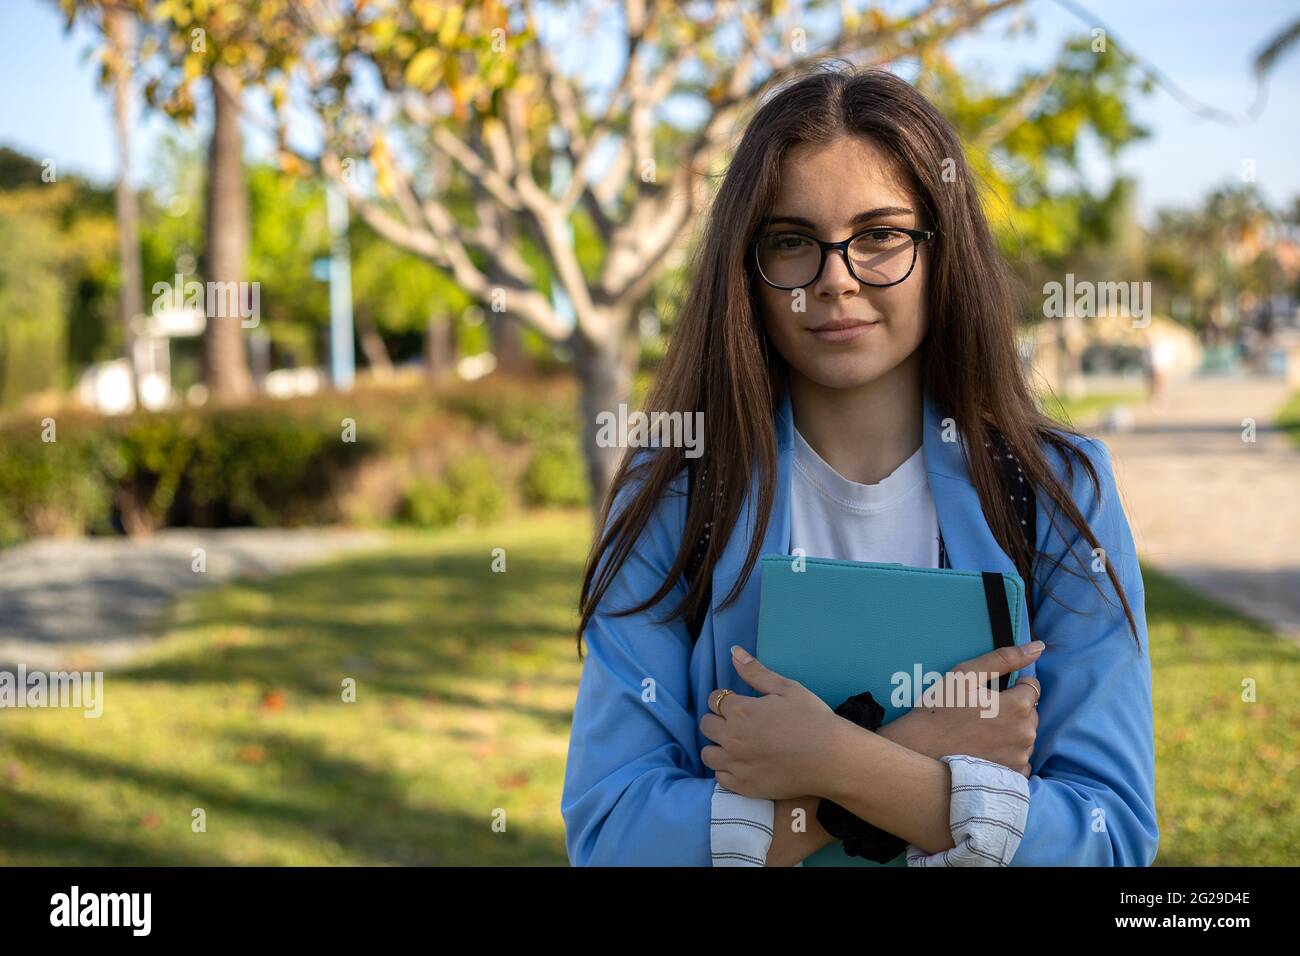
(995,596)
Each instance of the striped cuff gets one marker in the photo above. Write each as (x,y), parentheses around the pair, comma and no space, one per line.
(989,806)
(740,831)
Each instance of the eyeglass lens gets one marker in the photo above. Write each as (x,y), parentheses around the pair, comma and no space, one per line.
(878,257)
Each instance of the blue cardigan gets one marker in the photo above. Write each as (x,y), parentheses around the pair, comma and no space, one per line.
(637,793)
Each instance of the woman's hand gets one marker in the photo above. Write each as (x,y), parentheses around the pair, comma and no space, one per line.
(1007,738)
(767,746)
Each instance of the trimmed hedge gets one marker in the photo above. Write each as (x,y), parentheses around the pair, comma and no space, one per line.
(557,475)
(438,455)
(469,489)
(206,469)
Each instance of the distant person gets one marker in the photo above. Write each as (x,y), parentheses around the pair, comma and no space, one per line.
(1157,360)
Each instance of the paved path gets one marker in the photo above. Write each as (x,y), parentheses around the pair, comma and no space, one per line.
(101,597)
(1220,513)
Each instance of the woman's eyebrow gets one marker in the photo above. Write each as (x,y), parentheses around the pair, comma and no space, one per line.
(860,217)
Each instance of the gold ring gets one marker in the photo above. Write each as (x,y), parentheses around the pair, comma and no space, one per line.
(717,707)
(1038,694)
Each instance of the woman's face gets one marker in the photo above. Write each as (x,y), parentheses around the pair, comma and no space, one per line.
(832,192)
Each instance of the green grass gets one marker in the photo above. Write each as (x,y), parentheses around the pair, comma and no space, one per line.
(1288,418)
(1082,412)
(465,686)
(1225,768)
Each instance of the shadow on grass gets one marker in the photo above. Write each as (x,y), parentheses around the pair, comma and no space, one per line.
(1188,628)
(307,794)
(405,624)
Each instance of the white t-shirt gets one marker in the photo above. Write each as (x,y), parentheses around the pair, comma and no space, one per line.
(892,520)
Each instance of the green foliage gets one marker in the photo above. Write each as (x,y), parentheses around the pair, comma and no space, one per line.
(217,468)
(1040,204)
(1080,411)
(469,488)
(1216,255)
(393,291)
(557,475)
(155,451)
(58,277)
(32,297)
(265,470)
(1288,418)
(57,487)
(516,413)
(396,291)
(286,463)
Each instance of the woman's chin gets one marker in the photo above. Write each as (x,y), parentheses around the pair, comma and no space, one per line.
(847,372)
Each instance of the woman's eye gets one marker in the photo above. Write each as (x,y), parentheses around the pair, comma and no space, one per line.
(880,240)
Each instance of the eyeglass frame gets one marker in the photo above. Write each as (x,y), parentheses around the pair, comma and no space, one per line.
(917,236)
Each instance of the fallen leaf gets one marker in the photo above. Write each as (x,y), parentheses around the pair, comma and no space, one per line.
(251,753)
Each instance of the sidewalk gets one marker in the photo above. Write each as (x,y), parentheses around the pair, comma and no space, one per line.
(1217,512)
(98,598)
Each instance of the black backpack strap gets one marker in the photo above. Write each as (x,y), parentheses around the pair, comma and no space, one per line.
(1017,487)
(697,477)
(1023,505)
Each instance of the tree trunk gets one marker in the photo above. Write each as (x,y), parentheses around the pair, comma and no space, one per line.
(507,341)
(605,372)
(121,35)
(1069,340)
(372,345)
(439,347)
(225,366)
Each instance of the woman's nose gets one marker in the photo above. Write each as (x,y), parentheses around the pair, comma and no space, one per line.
(836,279)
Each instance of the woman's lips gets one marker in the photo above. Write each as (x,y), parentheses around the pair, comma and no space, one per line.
(842,331)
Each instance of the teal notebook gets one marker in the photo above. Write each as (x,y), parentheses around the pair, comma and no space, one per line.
(844,627)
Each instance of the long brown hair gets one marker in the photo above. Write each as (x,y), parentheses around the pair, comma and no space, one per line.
(719,361)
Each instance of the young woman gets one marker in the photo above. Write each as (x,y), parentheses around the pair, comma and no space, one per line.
(849,336)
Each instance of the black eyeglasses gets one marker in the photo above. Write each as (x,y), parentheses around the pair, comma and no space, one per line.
(880,256)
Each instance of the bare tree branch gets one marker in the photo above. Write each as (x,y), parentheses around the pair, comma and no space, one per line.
(1013,117)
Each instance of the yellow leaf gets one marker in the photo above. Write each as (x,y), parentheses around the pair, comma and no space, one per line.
(429,14)
(380,159)
(423,68)
(451,25)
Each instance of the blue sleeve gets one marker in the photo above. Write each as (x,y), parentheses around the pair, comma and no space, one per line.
(1092,791)
(635,790)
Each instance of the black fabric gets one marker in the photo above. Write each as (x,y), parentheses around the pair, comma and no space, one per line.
(1020,491)
(859,837)
(695,478)
(995,596)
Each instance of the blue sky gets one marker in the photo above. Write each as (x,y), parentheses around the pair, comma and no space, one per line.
(50,106)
